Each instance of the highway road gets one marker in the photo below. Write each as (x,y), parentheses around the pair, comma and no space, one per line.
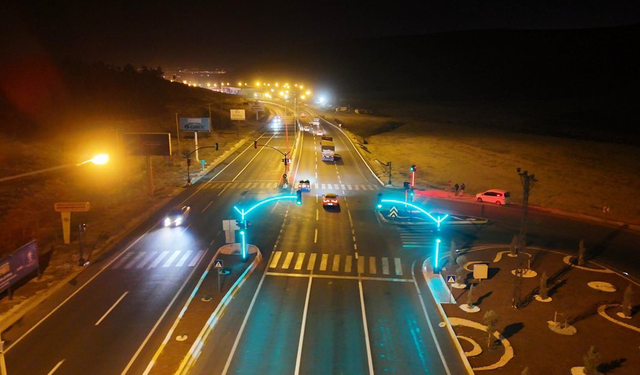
(337,294)
(112,318)
(338,291)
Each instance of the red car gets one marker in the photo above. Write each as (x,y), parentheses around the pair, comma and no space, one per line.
(330,200)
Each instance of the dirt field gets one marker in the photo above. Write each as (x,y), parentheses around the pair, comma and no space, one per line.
(579,176)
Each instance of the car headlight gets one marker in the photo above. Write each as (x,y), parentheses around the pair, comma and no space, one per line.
(178,220)
(167,221)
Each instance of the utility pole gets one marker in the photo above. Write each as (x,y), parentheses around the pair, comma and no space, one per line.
(3,365)
(526,180)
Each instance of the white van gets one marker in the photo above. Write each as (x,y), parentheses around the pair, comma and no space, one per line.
(498,197)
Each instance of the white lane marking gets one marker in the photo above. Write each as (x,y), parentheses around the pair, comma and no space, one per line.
(184,258)
(134,260)
(315,237)
(398,267)
(159,259)
(112,307)
(372,265)
(171,259)
(361,264)
(385,265)
(323,262)
(323,186)
(426,317)
(287,261)
(347,263)
(299,261)
(151,255)
(204,209)
(312,262)
(350,220)
(339,277)
(302,327)
(275,259)
(55,367)
(123,260)
(366,329)
(196,259)
(336,263)
(124,252)
(244,324)
(317,214)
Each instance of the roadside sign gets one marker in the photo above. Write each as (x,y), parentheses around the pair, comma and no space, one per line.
(237,114)
(71,207)
(451,279)
(480,271)
(217,264)
(195,124)
(257,106)
(393,212)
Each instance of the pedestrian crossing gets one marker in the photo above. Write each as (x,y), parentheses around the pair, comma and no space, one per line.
(336,263)
(417,236)
(158,259)
(225,185)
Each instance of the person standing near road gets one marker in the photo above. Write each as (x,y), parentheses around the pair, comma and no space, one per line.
(462,189)
(457,187)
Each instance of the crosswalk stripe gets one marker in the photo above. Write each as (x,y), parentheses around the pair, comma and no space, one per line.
(343,186)
(336,263)
(228,184)
(151,255)
(171,258)
(323,186)
(158,259)
(121,261)
(357,187)
(323,262)
(372,265)
(287,260)
(275,259)
(349,187)
(360,264)
(317,186)
(184,258)
(254,185)
(312,262)
(398,267)
(299,261)
(196,258)
(134,260)
(385,265)
(347,263)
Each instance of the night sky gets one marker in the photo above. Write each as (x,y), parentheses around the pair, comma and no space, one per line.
(216,34)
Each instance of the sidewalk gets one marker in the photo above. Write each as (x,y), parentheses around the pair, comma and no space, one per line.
(201,312)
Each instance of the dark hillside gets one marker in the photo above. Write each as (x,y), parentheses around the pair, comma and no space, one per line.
(76,93)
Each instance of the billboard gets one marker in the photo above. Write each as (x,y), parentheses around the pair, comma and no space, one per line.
(18,264)
(147,143)
(195,124)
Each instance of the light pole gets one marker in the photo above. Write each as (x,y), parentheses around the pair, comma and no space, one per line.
(526,180)
(99,159)
(3,365)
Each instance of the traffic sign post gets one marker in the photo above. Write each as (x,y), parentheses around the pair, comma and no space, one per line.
(65,209)
(450,280)
(218,264)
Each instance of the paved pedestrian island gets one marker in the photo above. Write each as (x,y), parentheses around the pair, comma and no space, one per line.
(337,264)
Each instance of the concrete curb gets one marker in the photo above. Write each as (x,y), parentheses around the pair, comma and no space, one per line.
(193,353)
(444,316)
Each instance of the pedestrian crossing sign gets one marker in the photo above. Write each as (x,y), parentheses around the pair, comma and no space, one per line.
(451,279)
(217,264)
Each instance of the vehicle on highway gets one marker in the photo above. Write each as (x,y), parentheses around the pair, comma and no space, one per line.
(304,185)
(496,196)
(319,132)
(330,200)
(177,216)
(316,121)
(328,150)
(306,128)
(303,115)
